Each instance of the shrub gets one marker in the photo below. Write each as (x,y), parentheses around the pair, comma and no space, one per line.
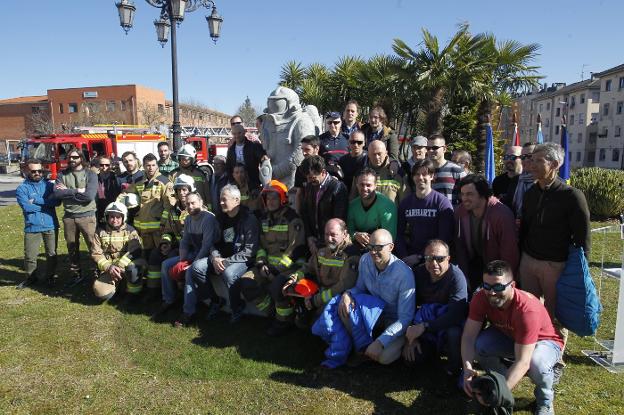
(603,189)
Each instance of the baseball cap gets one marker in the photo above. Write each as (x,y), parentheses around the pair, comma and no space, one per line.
(419,140)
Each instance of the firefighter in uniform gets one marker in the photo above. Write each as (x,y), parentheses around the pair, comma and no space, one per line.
(155,193)
(282,251)
(186,157)
(117,252)
(334,267)
(171,226)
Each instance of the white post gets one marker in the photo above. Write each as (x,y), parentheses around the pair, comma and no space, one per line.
(618,342)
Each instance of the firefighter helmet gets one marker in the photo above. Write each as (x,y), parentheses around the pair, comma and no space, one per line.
(104,287)
(276,186)
(117,207)
(306,287)
(187,150)
(184,180)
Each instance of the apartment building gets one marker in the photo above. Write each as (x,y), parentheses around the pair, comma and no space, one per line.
(610,119)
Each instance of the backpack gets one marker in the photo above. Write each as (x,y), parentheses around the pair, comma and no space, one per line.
(578,307)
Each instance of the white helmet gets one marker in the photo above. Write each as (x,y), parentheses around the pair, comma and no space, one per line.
(117,207)
(184,180)
(187,150)
(131,200)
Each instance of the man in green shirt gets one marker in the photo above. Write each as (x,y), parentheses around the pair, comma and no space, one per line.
(370,211)
(166,164)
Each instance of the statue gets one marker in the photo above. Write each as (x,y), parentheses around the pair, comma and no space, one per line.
(283,127)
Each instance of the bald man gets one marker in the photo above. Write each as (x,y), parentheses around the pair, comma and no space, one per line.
(513,168)
(390,182)
(242,150)
(382,275)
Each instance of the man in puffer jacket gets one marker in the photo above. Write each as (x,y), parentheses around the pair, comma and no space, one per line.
(40,222)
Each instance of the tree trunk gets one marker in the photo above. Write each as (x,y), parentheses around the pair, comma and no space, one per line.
(434,112)
(483,111)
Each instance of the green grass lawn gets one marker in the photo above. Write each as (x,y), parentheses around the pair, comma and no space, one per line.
(62,352)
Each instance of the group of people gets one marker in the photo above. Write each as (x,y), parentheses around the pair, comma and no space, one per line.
(384,258)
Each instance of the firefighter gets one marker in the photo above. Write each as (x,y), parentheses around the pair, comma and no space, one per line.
(282,251)
(187,156)
(117,252)
(171,226)
(334,267)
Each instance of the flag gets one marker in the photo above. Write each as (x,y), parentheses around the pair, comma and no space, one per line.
(540,136)
(489,154)
(564,170)
(515,141)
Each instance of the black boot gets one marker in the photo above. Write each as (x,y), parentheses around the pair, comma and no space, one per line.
(28,282)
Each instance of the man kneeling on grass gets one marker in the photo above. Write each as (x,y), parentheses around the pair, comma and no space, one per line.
(520,332)
(383,275)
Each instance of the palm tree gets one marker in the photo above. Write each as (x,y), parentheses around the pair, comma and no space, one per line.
(292,75)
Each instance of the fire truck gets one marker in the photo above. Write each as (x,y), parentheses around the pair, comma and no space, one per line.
(52,149)
(209,146)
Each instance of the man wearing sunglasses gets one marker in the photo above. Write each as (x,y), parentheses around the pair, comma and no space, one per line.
(520,330)
(335,143)
(442,301)
(34,196)
(447,173)
(512,161)
(77,186)
(354,161)
(384,276)
(520,184)
(108,188)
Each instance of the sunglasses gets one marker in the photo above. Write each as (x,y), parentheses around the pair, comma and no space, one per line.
(526,157)
(497,288)
(236,123)
(359,143)
(333,122)
(436,258)
(377,248)
(36,171)
(434,148)
(104,164)
(511,157)
(74,157)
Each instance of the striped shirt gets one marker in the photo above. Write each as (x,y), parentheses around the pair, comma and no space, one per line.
(445,179)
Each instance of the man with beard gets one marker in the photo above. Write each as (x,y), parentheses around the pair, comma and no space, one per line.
(370,211)
(282,250)
(375,129)
(165,163)
(76,186)
(520,330)
(201,232)
(133,173)
(34,196)
(422,216)
(513,168)
(108,188)
(388,171)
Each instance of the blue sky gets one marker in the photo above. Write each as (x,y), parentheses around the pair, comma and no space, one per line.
(71,43)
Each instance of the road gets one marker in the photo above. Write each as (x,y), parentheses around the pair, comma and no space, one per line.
(8,184)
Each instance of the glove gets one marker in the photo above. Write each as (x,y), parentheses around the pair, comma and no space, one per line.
(177,271)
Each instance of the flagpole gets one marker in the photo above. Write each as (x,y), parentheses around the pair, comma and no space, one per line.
(540,135)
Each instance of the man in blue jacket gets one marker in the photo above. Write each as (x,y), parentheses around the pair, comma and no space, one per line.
(383,275)
(40,222)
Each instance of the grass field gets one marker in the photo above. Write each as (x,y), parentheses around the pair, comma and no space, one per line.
(62,352)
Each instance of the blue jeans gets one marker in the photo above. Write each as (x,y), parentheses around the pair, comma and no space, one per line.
(492,346)
(167,285)
(198,286)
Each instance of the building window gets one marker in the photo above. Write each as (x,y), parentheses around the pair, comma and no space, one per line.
(581,118)
(556,129)
(93,107)
(572,101)
(578,156)
(619,107)
(558,112)
(582,98)
(547,122)
(72,107)
(123,105)
(602,154)
(591,156)
(161,109)
(110,106)
(571,119)
(541,107)
(608,85)
(618,131)
(579,138)
(35,110)
(548,106)
(60,108)
(605,109)
(615,155)
(621,83)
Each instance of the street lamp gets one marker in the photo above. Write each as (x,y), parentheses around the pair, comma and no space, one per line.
(171,15)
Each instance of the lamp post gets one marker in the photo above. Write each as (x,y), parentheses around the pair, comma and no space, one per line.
(171,15)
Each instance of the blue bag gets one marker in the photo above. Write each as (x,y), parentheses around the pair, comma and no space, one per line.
(578,307)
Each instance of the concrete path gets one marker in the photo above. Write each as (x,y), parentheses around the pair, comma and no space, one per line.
(8,184)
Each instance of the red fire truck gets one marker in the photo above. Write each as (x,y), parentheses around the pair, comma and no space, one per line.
(52,149)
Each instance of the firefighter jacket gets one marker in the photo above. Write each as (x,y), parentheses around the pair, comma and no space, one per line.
(115,247)
(172,223)
(154,196)
(202,182)
(282,240)
(335,271)
(390,180)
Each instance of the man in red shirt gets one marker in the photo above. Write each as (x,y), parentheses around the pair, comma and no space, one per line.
(520,332)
